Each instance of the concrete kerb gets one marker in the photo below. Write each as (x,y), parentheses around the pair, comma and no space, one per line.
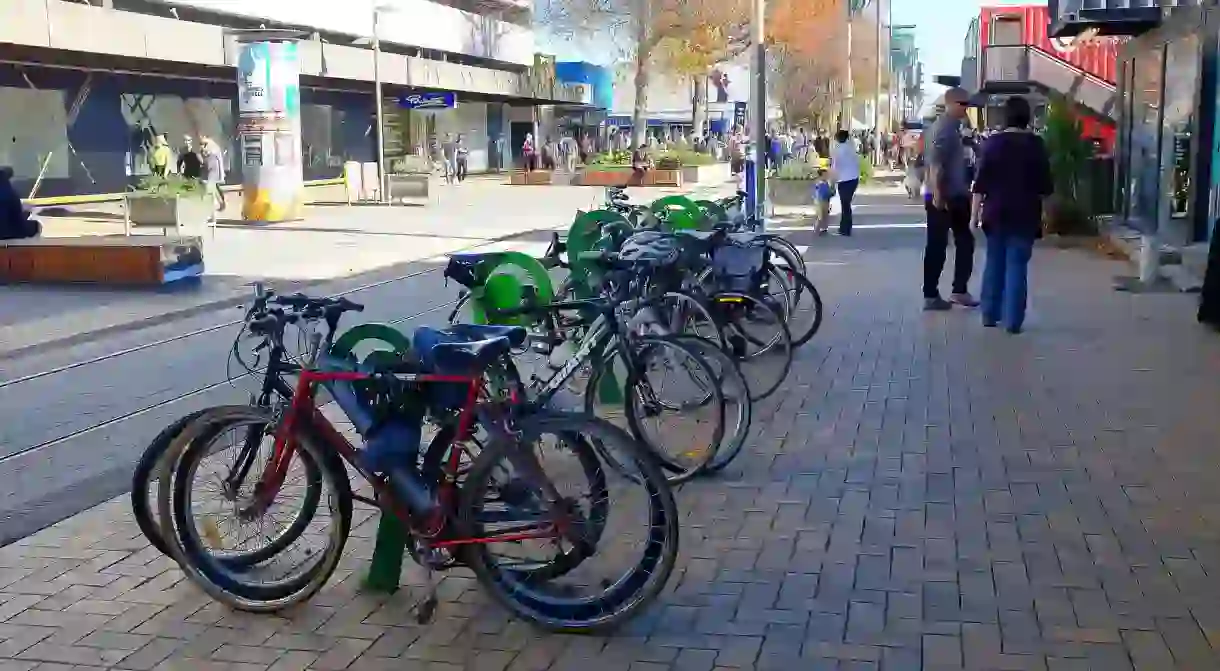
(233,298)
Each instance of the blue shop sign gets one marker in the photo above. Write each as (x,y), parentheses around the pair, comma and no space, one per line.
(428,101)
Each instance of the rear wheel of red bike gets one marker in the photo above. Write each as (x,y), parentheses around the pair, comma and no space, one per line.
(501,502)
(207,537)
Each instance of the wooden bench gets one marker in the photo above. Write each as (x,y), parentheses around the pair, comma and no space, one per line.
(138,260)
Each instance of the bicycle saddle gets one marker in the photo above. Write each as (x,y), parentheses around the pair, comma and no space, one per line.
(464,349)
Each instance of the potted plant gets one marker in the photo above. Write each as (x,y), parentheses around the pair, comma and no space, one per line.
(171,201)
(409,177)
(792,184)
(1069,210)
(614,169)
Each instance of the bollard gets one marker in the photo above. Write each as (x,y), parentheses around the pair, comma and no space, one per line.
(751,189)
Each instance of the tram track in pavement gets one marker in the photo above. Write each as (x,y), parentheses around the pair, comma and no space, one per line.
(55,475)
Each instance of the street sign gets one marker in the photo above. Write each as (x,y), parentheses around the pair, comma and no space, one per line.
(428,101)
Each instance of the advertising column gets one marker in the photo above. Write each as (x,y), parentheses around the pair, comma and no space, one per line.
(269,129)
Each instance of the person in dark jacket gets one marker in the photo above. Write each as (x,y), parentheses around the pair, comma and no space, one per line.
(1012,179)
(15,221)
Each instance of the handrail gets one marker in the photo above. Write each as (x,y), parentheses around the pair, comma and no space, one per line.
(1029,48)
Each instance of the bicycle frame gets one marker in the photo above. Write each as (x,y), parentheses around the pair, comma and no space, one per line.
(303,414)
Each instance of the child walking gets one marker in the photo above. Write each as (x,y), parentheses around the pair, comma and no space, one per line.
(822,193)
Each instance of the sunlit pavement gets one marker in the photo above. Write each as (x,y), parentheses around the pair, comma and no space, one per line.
(923,493)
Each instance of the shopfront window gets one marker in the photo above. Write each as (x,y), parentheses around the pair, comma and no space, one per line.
(34,133)
(1145,140)
(1182,59)
(180,120)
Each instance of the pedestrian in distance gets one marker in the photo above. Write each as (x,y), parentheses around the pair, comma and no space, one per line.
(213,172)
(845,164)
(528,152)
(461,155)
(1013,180)
(449,156)
(822,193)
(190,165)
(15,221)
(947,205)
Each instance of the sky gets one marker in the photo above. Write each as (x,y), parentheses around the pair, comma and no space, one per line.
(940,34)
(941,40)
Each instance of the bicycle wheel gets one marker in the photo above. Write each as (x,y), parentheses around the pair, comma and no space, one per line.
(804,316)
(739,409)
(700,418)
(759,340)
(143,477)
(503,376)
(575,603)
(291,577)
(786,252)
(150,460)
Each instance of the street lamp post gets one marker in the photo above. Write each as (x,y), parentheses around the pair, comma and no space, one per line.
(877,93)
(381,173)
(758,37)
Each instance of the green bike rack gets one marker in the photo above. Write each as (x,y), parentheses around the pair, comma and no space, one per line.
(679,213)
(713,211)
(503,277)
(385,568)
(587,231)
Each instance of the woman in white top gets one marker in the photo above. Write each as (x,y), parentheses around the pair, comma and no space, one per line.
(845,164)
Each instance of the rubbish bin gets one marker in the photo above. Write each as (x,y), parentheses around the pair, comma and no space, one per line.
(353,184)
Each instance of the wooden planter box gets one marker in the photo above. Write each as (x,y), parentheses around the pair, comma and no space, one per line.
(409,186)
(138,260)
(706,174)
(535,178)
(626,177)
(181,213)
(790,192)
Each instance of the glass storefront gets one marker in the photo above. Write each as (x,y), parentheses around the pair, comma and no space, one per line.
(1142,153)
(421,132)
(1177,129)
(70,132)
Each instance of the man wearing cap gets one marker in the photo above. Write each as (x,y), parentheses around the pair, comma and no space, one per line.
(947,202)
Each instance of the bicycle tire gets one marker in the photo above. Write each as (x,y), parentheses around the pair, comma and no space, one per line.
(151,527)
(782,341)
(729,369)
(437,452)
(802,291)
(209,572)
(626,596)
(675,474)
(142,477)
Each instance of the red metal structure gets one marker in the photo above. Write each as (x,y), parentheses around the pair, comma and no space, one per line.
(1098,58)
(1029,25)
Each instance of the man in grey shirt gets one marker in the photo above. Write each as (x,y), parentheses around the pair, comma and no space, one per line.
(947,202)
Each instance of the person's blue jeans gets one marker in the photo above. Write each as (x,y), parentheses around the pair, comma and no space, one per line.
(846,189)
(1006,279)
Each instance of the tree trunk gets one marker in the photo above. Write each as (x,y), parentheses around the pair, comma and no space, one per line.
(699,105)
(639,115)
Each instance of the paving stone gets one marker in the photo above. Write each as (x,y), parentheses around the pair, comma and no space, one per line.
(922,494)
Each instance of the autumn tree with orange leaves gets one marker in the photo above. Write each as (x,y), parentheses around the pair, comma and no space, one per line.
(690,37)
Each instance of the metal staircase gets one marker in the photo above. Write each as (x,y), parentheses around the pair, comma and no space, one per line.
(1006,66)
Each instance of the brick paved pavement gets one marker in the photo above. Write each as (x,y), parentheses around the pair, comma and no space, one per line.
(925,494)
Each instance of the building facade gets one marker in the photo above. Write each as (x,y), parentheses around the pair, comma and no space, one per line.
(84,88)
(1167,177)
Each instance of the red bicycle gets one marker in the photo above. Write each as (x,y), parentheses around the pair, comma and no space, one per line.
(483,483)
